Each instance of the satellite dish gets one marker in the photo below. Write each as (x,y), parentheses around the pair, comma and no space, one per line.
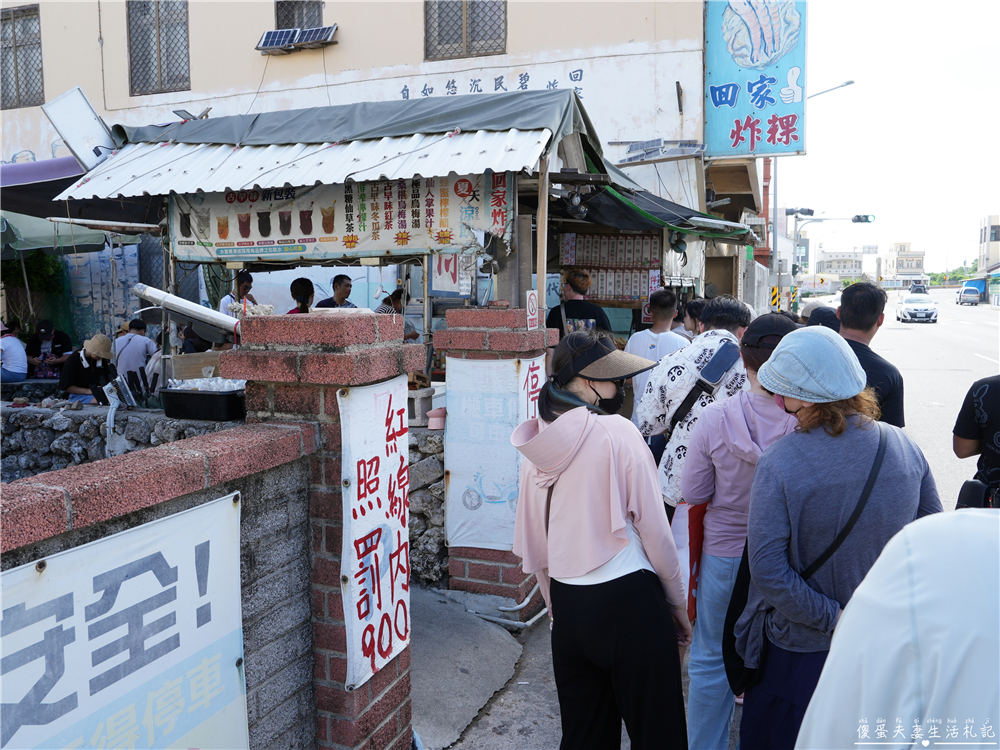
(78,123)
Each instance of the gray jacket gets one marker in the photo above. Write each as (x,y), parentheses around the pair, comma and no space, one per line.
(805,488)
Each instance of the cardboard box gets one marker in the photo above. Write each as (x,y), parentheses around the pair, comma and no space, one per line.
(188,366)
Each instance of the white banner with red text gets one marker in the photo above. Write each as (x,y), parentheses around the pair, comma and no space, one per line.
(375,559)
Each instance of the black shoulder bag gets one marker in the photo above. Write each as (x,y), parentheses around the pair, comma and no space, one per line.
(741,677)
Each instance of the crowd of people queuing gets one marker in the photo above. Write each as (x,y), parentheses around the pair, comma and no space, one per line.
(762,483)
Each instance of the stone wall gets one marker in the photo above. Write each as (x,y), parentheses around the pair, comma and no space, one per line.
(33,390)
(36,440)
(269,466)
(428,553)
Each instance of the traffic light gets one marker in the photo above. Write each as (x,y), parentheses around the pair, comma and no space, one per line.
(863,219)
(795,269)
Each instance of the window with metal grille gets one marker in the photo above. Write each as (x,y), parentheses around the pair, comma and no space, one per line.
(158,46)
(464,28)
(298,14)
(21,58)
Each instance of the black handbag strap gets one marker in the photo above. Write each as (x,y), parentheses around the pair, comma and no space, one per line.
(548,506)
(844,532)
(562,312)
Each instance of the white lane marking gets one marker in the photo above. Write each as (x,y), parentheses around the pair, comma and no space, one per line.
(988,359)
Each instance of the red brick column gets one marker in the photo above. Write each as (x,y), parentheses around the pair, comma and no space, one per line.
(294,365)
(492,334)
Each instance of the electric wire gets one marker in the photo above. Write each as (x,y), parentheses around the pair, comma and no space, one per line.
(657,169)
(267,59)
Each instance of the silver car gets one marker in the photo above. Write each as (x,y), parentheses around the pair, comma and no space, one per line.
(916,307)
(967,295)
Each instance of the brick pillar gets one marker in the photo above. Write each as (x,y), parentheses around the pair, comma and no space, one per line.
(294,365)
(492,334)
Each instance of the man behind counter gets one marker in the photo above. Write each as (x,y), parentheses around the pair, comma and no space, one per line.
(47,350)
(341,291)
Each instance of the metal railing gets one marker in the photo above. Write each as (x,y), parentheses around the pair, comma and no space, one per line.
(159,59)
(464,28)
(21,58)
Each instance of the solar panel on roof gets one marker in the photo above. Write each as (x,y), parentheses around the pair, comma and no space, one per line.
(318,37)
(645,145)
(278,42)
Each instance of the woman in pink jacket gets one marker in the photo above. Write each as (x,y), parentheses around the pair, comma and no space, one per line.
(727,441)
(591,525)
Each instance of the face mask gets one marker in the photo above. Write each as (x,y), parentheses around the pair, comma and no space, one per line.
(611,405)
(780,401)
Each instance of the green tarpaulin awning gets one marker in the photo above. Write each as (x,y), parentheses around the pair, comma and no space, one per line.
(21,233)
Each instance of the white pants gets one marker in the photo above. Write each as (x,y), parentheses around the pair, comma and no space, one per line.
(679,527)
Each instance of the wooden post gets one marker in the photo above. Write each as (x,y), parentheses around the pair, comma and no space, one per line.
(508,280)
(428,313)
(542,230)
(524,256)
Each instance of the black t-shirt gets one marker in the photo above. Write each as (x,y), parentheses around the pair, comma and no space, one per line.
(580,314)
(979,419)
(74,373)
(885,379)
(61,344)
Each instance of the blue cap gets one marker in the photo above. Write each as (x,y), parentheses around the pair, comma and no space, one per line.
(813,364)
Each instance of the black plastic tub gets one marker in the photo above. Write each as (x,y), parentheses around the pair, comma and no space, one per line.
(212,406)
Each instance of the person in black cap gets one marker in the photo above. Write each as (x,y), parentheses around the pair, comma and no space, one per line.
(47,350)
(590,525)
(824,316)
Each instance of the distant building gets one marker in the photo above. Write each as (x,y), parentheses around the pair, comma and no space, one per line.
(904,266)
(843,264)
(989,244)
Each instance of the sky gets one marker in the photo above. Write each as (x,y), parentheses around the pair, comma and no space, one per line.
(915,141)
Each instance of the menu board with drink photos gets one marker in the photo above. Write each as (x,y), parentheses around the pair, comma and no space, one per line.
(384,217)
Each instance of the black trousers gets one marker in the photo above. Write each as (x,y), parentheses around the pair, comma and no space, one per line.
(774,708)
(614,653)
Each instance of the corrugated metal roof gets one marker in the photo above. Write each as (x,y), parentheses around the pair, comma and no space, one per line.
(159,168)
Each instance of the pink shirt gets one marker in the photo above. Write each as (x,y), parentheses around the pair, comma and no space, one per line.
(727,441)
(603,474)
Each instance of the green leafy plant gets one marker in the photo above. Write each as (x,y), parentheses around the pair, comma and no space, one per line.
(44,272)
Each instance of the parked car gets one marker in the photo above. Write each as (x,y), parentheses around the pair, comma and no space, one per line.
(967,295)
(916,307)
